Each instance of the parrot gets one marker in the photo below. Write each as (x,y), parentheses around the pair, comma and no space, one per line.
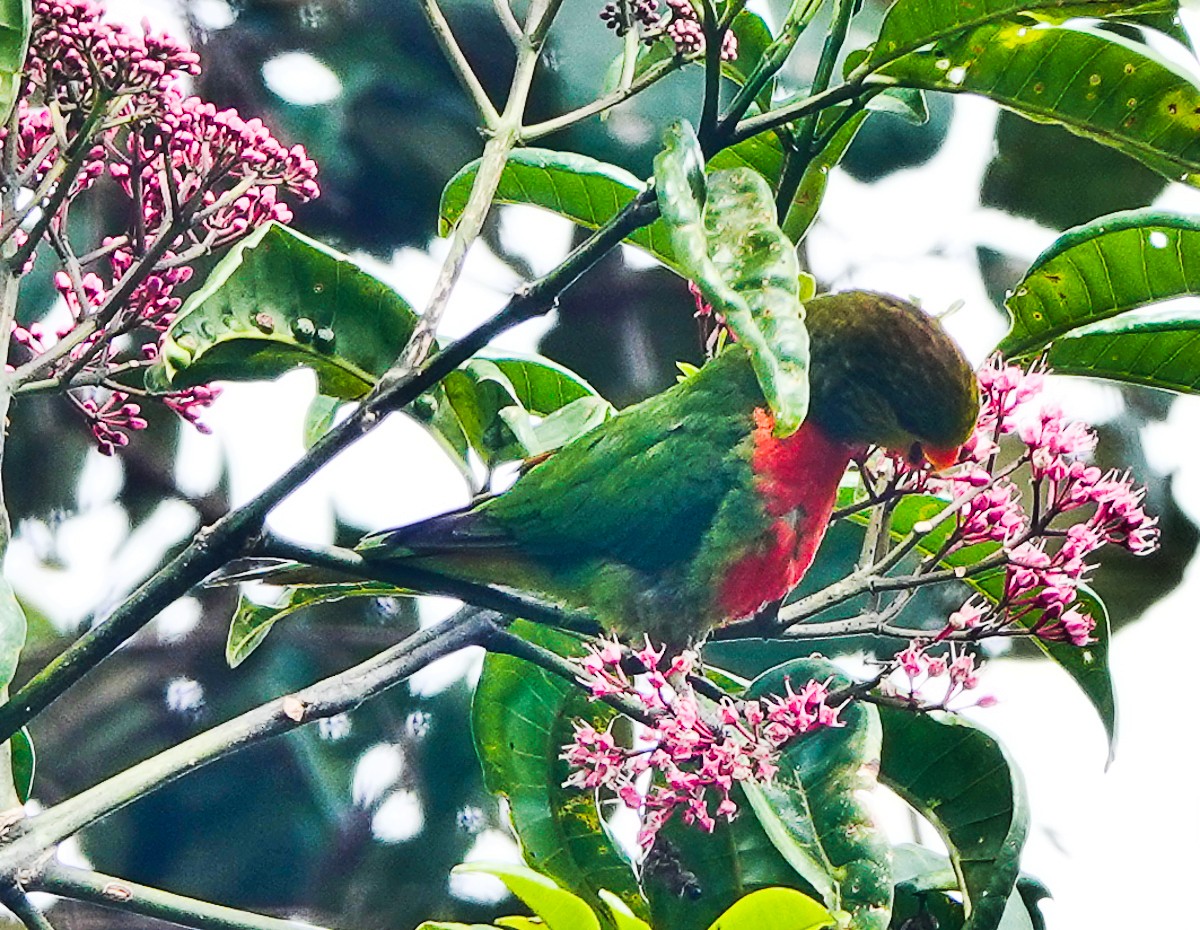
(685,511)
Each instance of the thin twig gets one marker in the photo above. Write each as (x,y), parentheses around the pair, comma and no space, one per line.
(131,898)
(228,537)
(505,14)
(13,897)
(334,695)
(458,61)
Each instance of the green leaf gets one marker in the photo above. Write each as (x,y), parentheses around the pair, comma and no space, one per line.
(811,192)
(493,398)
(451,925)
(318,420)
(762,153)
(813,810)
(16,17)
(702,875)
(1096,84)
(24,763)
(1161,353)
(623,917)
(1087,665)
(775,909)
(912,24)
(962,780)
(12,633)
(522,716)
(252,622)
(277,301)
(754,38)
(560,909)
(584,190)
(731,246)
(1099,270)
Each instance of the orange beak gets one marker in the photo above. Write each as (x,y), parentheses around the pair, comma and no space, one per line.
(940,459)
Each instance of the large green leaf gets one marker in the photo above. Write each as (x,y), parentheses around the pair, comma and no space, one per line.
(522,717)
(754,38)
(700,875)
(557,907)
(1087,665)
(912,24)
(1097,84)
(580,188)
(252,622)
(814,811)
(277,301)
(811,192)
(962,780)
(1162,353)
(15,19)
(730,245)
(774,909)
(1102,269)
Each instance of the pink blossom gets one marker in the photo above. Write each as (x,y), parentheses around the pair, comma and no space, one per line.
(696,763)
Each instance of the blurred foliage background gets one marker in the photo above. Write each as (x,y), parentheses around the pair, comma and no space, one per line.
(294,826)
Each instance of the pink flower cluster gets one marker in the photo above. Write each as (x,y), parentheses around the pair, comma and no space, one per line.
(694,762)
(686,31)
(196,179)
(921,668)
(110,419)
(78,53)
(1045,562)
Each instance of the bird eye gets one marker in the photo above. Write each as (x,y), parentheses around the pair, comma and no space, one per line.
(916,455)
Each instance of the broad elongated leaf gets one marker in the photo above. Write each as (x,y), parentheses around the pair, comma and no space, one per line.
(912,24)
(522,716)
(1094,83)
(1162,354)
(698,876)
(24,763)
(962,780)
(12,633)
(582,189)
(730,245)
(811,192)
(814,812)
(762,153)
(16,17)
(557,907)
(277,301)
(776,909)
(1097,271)
(252,622)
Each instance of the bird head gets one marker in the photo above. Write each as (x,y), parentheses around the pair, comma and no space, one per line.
(885,373)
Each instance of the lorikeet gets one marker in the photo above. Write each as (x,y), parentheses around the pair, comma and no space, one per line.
(684,511)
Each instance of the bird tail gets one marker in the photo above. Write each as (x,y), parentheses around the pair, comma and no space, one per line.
(274,571)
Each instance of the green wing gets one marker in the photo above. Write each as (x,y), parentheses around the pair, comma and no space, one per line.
(640,489)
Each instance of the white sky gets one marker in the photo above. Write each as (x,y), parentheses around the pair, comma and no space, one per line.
(1102,841)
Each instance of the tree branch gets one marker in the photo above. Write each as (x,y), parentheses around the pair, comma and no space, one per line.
(334,695)
(459,64)
(229,536)
(132,898)
(13,897)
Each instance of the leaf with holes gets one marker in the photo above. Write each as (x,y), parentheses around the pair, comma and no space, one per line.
(278,301)
(1096,84)
(961,780)
(1101,270)
(724,232)
(522,716)
(582,189)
